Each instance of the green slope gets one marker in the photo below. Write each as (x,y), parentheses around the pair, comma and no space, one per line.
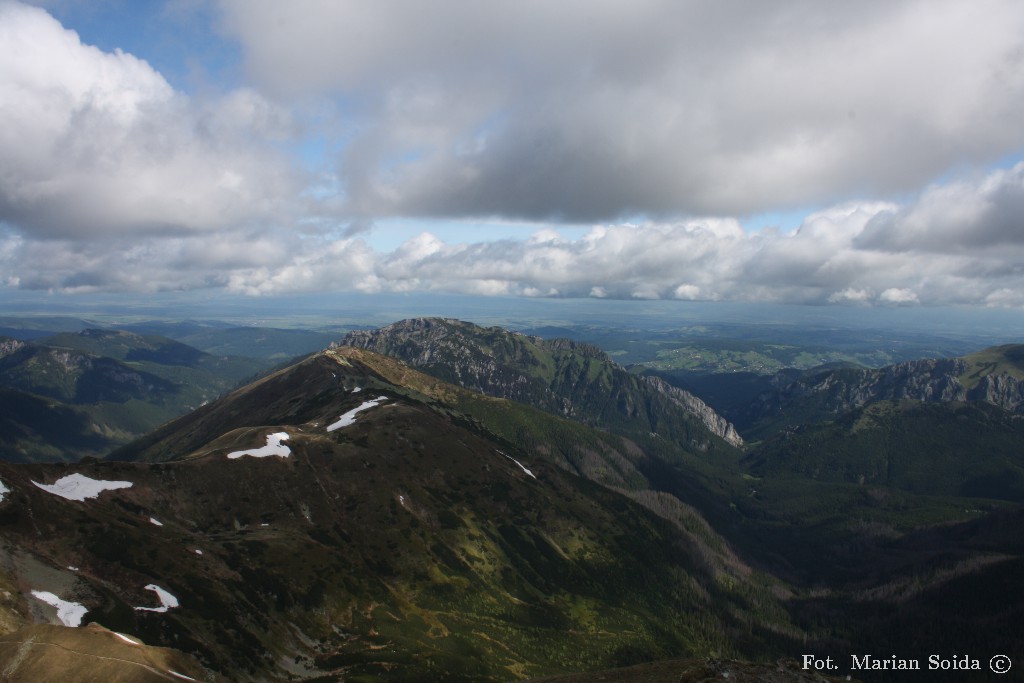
(99,389)
(407,546)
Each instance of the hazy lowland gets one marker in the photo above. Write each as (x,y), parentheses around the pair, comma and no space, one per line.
(551,491)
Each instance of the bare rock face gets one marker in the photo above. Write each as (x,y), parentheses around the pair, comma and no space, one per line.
(717,424)
(9,346)
(566,377)
(1002,390)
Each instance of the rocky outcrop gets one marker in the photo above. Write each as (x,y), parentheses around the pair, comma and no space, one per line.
(9,346)
(717,424)
(566,377)
(822,395)
(1002,390)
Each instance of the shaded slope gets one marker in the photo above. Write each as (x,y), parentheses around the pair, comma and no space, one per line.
(410,545)
(561,376)
(798,397)
(85,393)
(953,449)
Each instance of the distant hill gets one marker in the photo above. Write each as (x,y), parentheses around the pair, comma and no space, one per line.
(793,397)
(84,393)
(561,376)
(941,449)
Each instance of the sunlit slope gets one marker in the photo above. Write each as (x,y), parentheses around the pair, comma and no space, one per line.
(564,377)
(409,542)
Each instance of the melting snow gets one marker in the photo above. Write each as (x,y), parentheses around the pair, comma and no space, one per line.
(130,641)
(167,600)
(273,447)
(3,490)
(69,613)
(198,551)
(356,390)
(520,465)
(350,417)
(80,487)
(154,520)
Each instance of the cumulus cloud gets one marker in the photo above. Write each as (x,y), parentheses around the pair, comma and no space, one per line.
(837,256)
(95,143)
(653,129)
(591,111)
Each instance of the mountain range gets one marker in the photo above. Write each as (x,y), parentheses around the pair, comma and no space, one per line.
(78,394)
(440,501)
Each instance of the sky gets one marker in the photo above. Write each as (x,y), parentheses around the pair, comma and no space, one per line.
(866,154)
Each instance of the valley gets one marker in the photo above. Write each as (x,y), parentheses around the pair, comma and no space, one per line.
(437,500)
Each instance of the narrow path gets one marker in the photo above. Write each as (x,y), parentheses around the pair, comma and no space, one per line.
(27,644)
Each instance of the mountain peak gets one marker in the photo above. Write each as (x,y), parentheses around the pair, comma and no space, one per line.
(561,376)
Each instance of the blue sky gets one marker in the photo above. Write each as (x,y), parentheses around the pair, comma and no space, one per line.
(854,155)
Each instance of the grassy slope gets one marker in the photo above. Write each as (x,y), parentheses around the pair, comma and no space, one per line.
(407,545)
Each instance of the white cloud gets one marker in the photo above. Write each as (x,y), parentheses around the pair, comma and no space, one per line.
(659,125)
(95,143)
(593,110)
(895,295)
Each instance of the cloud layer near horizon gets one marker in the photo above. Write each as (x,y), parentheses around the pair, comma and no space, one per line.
(628,120)
(854,253)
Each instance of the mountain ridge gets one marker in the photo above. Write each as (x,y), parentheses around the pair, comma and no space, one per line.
(407,543)
(566,377)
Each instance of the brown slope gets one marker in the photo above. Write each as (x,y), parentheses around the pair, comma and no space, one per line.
(44,652)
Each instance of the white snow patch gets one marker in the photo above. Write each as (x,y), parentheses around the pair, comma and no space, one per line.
(175,673)
(167,601)
(69,613)
(356,390)
(79,487)
(401,500)
(130,641)
(273,447)
(520,465)
(350,417)
(3,490)
(73,568)
(155,521)
(198,551)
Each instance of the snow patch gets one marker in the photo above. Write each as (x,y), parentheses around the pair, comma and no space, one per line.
(69,613)
(356,390)
(73,568)
(167,601)
(175,673)
(350,417)
(130,641)
(273,447)
(3,490)
(79,487)
(520,465)
(155,521)
(198,551)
